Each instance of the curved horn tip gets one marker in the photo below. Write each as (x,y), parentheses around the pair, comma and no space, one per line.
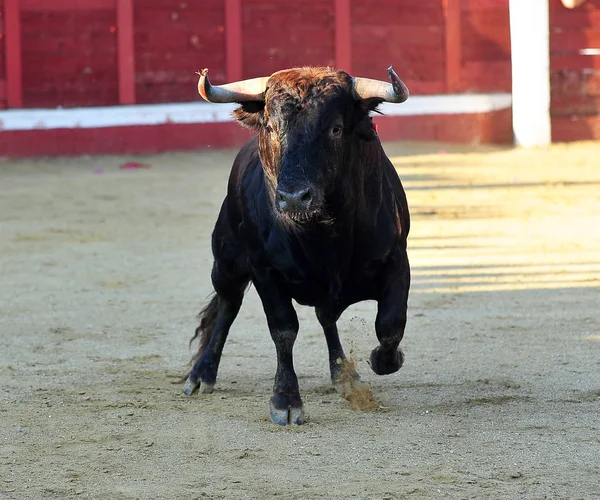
(400,89)
(203,83)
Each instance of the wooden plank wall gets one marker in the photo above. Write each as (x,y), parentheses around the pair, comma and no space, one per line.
(575,71)
(485,37)
(278,34)
(173,39)
(2,58)
(70,56)
(409,34)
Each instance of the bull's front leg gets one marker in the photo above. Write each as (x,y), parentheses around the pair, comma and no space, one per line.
(391,315)
(341,373)
(286,403)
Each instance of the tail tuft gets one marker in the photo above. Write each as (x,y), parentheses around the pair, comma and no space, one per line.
(208,320)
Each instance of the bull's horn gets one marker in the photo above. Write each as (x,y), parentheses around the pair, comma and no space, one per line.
(242,91)
(365,88)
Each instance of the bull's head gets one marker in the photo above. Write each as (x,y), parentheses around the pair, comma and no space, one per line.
(310,122)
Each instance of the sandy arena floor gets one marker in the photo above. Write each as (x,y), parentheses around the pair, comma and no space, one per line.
(102,271)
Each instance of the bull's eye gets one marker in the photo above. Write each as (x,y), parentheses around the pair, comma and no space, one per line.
(335,132)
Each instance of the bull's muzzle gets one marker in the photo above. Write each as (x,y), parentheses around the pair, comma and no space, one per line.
(297,202)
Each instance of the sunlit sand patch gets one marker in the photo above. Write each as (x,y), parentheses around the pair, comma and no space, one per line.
(496,287)
(592,337)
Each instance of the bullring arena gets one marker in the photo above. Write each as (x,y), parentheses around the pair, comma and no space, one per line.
(103,270)
(112,173)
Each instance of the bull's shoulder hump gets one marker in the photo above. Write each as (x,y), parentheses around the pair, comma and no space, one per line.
(246,158)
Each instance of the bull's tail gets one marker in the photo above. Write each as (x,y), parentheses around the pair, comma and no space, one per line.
(208,320)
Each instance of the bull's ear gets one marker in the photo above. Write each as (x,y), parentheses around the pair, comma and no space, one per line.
(364,128)
(251,114)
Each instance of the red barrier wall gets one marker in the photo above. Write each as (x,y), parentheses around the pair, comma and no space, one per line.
(575,71)
(485,45)
(73,53)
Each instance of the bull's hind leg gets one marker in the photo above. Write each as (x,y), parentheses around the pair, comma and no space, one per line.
(342,372)
(391,315)
(215,322)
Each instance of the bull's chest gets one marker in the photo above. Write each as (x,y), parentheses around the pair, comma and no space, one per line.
(321,269)
(310,265)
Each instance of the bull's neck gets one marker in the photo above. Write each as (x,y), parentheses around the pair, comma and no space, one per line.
(358,192)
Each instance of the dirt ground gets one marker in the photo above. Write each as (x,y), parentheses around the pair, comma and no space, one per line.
(102,271)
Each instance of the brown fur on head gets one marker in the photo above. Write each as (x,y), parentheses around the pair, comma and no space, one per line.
(296,84)
(291,91)
(309,125)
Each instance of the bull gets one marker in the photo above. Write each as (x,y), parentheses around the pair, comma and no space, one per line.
(314,212)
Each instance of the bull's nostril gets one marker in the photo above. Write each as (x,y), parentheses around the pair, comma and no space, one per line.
(306,198)
(281,201)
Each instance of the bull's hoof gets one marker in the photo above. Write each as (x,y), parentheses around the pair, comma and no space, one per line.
(289,416)
(286,410)
(191,386)
(385,362)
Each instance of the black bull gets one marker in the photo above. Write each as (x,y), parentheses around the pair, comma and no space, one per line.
(314,212)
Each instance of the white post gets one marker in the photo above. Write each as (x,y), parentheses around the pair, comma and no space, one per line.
(530,46)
